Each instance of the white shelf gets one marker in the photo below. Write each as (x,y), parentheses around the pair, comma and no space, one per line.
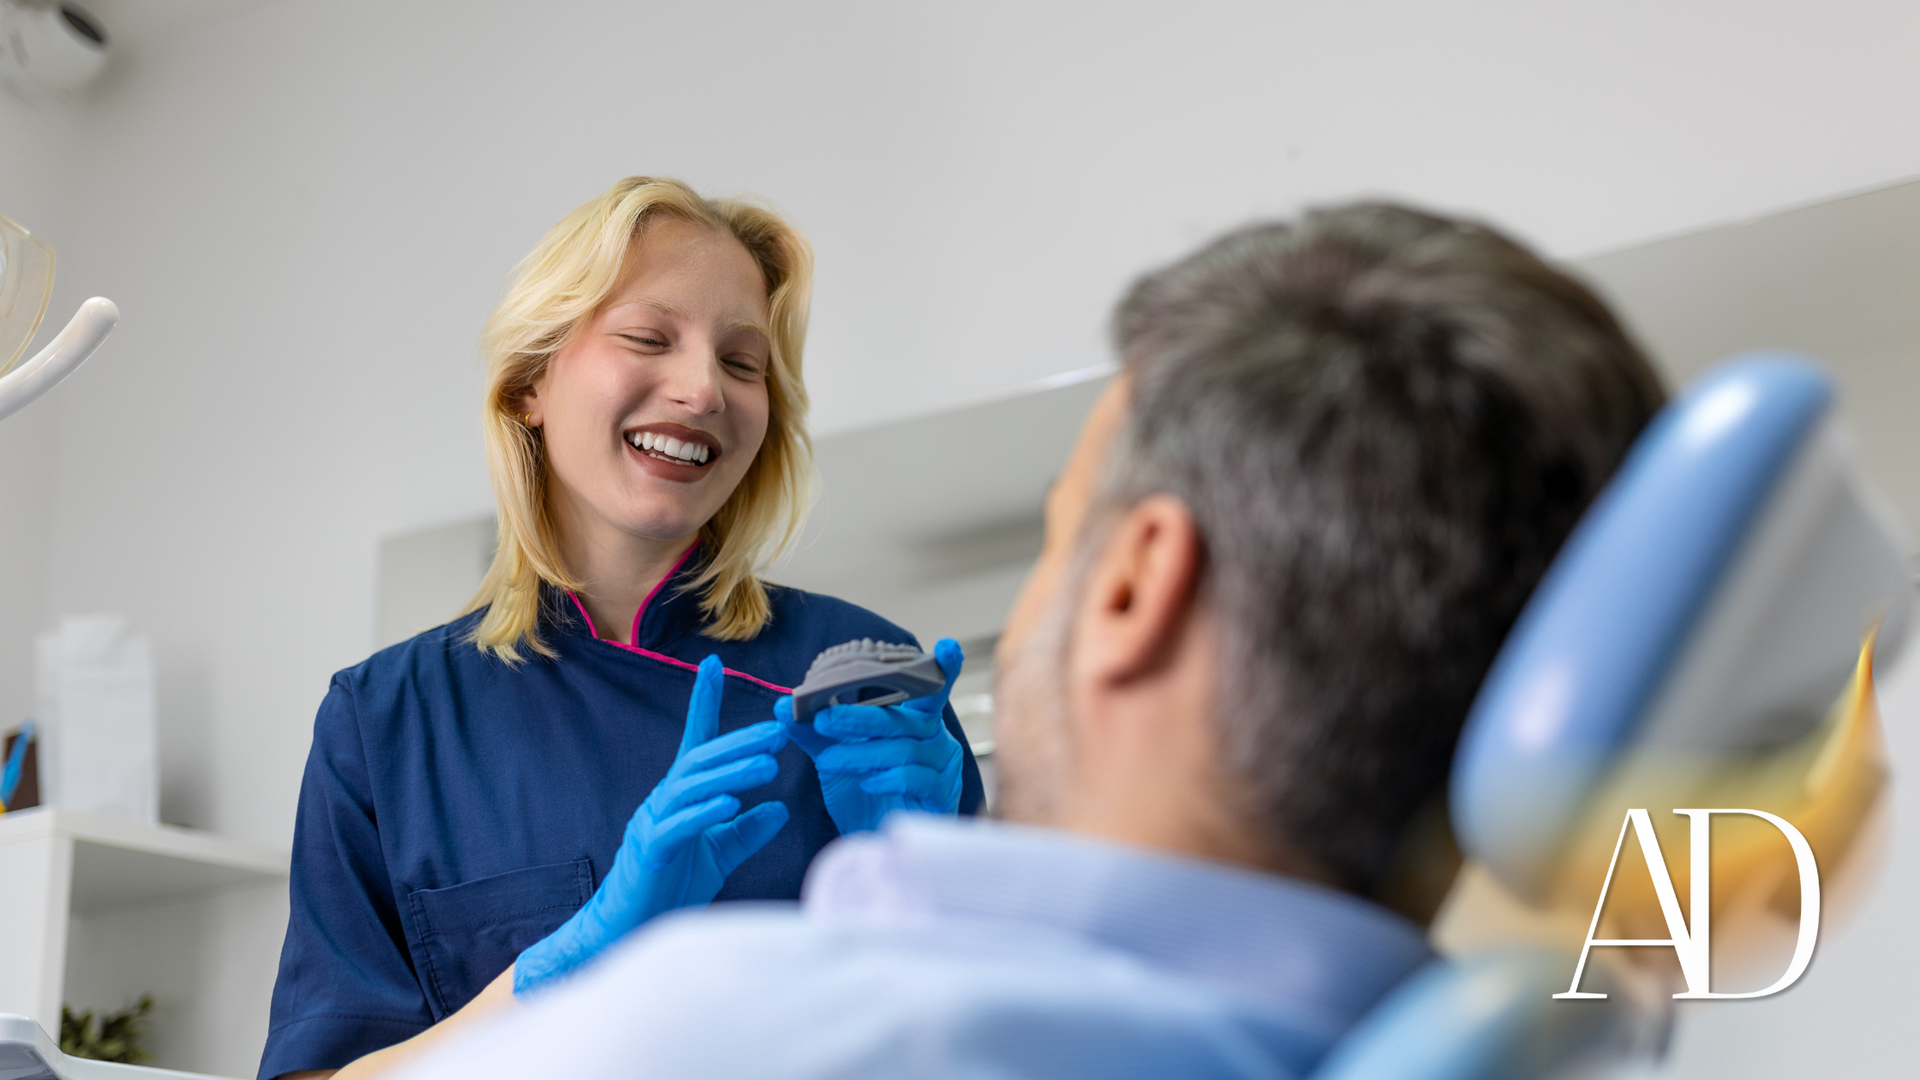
(120,863)
(122,908)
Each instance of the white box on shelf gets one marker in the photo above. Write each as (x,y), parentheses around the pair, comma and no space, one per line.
(94,685)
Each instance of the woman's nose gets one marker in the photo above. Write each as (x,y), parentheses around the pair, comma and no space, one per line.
(694,382)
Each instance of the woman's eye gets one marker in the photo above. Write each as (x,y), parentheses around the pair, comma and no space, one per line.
(744,365)
(647,340)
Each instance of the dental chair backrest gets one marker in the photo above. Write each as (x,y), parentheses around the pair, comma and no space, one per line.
(1711,603)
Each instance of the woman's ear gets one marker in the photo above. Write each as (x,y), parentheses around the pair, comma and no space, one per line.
(1141,591)
(526,408)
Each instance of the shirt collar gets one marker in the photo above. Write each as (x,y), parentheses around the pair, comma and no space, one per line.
(1310,949)
(669,613)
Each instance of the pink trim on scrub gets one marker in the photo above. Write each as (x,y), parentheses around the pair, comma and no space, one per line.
(662,657)
(661,584)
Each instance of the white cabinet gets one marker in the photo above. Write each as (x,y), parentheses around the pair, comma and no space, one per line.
(96,911)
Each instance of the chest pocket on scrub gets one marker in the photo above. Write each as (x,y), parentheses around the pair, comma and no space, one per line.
(469,933)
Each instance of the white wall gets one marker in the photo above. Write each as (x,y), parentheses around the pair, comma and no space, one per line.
(36,147)
(305,210)
(1837,282)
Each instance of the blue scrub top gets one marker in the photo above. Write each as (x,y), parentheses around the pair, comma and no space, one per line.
(455,810)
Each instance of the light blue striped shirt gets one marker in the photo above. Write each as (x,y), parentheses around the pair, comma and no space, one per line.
(973,949)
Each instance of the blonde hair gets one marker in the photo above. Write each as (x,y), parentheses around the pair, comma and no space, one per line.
(554,292)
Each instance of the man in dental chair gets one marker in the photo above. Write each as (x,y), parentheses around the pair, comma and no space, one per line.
(1282,557)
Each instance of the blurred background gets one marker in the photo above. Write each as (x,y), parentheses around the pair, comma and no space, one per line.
(305,210)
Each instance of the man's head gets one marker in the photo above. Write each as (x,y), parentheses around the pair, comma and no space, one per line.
(1296,530)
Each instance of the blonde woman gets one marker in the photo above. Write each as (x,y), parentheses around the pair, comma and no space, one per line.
(467,827)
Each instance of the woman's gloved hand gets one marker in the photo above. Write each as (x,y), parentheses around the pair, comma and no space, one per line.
(875,759)
(681,843)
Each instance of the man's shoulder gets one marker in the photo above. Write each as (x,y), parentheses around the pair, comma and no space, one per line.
(764,990)
(865,997)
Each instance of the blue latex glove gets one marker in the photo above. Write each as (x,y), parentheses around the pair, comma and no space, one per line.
(875,759)
(681,843)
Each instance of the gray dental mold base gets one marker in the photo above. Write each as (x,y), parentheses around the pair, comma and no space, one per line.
(842,674)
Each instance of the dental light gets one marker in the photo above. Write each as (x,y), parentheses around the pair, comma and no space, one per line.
(49,51)
(26,284)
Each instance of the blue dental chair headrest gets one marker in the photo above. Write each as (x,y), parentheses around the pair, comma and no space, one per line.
(1711,601)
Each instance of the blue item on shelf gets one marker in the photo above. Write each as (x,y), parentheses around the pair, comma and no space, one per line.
(16,760)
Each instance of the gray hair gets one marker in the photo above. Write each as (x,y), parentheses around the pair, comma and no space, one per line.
(1384,423)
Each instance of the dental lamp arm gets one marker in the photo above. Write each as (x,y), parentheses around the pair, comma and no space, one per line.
(67,351)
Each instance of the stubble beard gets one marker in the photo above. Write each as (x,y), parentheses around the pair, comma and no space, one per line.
(1033,731)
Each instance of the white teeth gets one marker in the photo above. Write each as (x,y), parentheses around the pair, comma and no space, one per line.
(694,452)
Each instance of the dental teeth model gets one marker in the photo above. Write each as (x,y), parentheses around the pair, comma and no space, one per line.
(689,452)
(845,674)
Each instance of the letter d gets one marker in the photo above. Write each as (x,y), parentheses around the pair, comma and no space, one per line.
(1809,896)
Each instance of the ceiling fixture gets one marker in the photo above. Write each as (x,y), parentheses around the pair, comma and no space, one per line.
(49,51)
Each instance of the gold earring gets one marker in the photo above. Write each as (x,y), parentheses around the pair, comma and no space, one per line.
(526,421)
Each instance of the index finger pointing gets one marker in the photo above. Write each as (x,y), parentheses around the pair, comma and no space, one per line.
(703,708)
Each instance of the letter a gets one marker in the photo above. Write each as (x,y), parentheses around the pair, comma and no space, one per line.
(1691,948)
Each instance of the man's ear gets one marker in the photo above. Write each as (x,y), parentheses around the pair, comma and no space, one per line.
(1140,593)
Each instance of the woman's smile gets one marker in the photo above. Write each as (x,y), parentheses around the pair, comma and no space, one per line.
(672,451)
